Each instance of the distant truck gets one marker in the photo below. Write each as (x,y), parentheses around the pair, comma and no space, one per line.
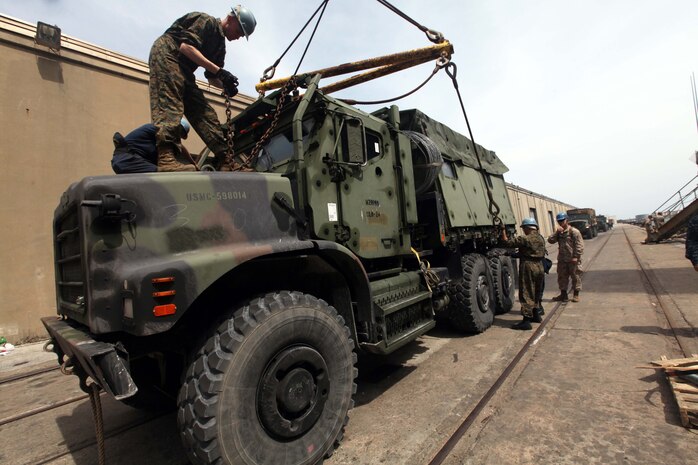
(584,219)
(247,296)
(602,223)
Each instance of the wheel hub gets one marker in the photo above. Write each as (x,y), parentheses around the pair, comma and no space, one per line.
(292,392)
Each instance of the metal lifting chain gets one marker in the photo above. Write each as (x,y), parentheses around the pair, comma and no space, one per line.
(452,71)
(230,151)
(285,90)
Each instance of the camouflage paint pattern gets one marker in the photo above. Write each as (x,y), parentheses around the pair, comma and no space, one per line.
(568,271)
(193,227)
(531,274)
(173,93)
(461,181)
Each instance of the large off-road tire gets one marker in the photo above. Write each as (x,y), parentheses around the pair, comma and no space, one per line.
(272,385)
(472,298)
(503,279)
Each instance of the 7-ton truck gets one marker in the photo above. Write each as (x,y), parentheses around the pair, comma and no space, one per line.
(584,219)
(247,296)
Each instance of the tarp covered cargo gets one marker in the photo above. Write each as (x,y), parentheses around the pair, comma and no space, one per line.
(453,145)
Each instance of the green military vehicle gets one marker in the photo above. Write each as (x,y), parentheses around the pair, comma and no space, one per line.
(602,223)
(247,296)
(584,219)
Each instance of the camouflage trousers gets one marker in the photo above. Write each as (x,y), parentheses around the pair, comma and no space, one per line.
(173,94)
(567,271)
(531,277)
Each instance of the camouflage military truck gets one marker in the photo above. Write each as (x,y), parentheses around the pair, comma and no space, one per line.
(584,219)
(247,296)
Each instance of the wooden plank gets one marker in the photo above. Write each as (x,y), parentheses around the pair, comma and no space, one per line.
(685,394)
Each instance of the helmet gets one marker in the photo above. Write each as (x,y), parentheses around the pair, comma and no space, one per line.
(529,223)
(186,126)
(562,216)
(246,19)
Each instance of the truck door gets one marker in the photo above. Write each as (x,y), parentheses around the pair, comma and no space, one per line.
(368,207)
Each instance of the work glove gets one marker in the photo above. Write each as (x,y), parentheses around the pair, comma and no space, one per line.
(229,81)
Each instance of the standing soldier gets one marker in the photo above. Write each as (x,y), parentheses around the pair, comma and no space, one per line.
(569,257)
(692,241)
(195,39)
(531,252)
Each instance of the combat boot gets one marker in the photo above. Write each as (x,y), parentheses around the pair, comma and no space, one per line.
(575,296)
(523,325)
(537,318)
(562,297)
(167,162)
(541,310)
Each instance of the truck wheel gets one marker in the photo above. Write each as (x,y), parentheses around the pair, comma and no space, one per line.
(503,281)
(272,384)
(472,299)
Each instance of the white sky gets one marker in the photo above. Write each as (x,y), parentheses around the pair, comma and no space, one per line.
(588,102)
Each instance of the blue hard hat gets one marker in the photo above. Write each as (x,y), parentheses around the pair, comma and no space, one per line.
(562,216)
(529,223)
(248,23)
(186,126)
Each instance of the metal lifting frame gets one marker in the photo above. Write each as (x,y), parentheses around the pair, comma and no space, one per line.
(383,65)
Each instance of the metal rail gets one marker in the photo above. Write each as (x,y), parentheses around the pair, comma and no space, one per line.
(654,288)
(463,428)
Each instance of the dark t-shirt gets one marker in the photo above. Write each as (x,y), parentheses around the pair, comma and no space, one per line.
(141,141)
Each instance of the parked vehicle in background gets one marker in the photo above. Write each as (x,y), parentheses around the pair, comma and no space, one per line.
(602,223)
(584,219)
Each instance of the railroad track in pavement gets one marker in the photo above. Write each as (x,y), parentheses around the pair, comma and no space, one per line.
(447,446)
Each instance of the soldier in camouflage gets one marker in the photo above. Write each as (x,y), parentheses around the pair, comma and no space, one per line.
(692,241)
(531,252)
(195,39)
(569,258)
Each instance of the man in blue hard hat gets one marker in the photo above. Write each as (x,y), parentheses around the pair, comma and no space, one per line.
(531,252)
(137,151)
(196,39)
(569,258)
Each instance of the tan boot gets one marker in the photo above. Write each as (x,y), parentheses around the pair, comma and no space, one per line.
(575,297)
(168,162)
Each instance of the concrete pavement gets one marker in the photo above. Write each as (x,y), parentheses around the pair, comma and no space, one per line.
(581,399)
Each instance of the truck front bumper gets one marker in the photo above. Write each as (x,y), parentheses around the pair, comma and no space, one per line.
(106,364)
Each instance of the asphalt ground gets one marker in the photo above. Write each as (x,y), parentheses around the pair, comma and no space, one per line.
(575,397)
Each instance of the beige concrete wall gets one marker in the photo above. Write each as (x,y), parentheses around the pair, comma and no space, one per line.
(58,114)
(523,200)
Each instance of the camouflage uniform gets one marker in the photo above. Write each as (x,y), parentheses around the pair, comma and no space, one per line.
(570,245)
(173,89)
(692,240)
(531,252)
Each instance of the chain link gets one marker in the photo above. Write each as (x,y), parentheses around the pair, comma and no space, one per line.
(230,152)
(285,90)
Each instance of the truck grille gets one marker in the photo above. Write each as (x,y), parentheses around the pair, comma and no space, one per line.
(70,282)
